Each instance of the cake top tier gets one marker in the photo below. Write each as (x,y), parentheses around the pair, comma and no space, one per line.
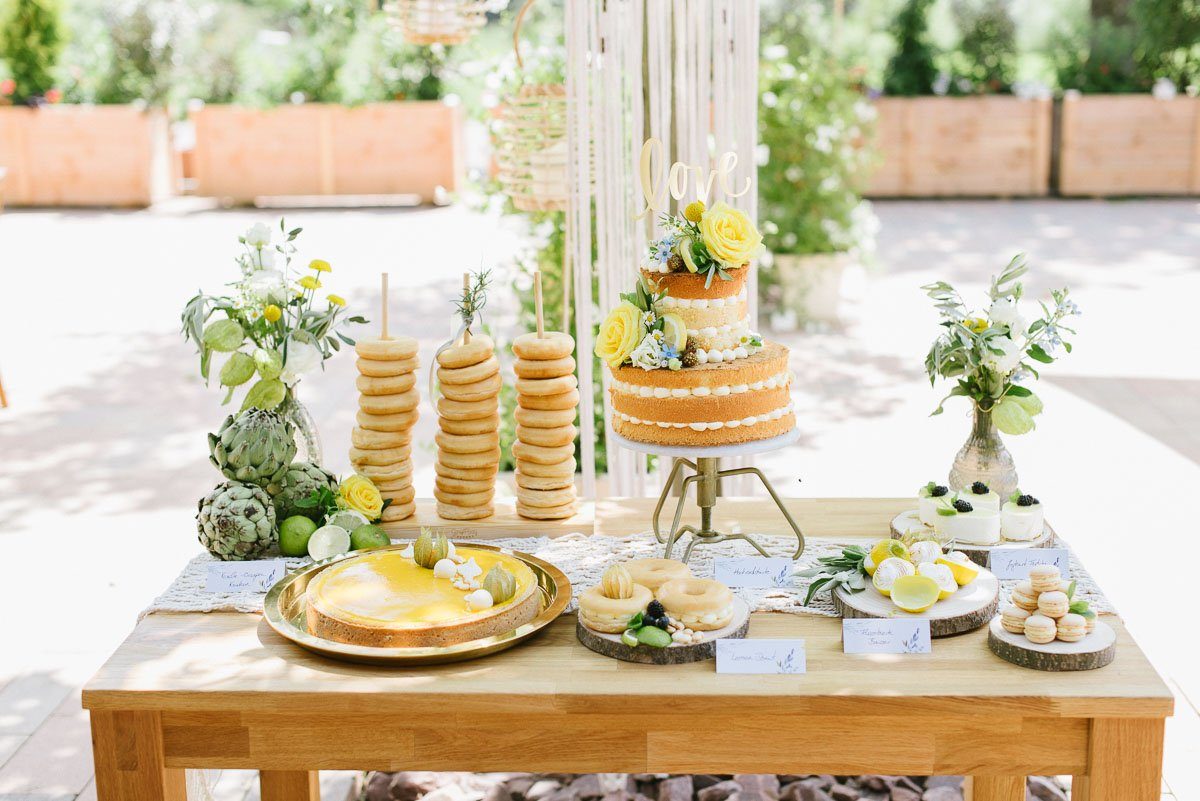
(704,241)
(694,286)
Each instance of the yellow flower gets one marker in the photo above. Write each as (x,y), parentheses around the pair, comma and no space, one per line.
(694,211)
(619,334)
(360,494)
(309,282)
(320,265)
(729,235)
(976,324)
(337,300)
(272,313)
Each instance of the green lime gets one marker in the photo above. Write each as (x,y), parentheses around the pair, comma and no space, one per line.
(653,636)
(368,536)
(293,535)
(629,637)
(347,519)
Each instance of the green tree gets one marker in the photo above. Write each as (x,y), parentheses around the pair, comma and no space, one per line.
(31,41)
(987,53)
(911,70)
(1168,39)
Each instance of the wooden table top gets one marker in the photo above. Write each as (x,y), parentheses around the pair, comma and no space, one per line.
(196,662)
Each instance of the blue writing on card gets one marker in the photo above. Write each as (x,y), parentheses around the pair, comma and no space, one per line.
(257,576)
(761,656)
(754,572)
(1015,563)
(892,636)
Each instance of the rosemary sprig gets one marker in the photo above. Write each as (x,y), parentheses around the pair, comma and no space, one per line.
(474,297)
(845,570)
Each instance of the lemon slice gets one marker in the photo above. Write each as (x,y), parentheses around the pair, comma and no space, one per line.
(675,331)
(924,551)
(964,570)
(915,593)
(869,565)
(943,575)
(885,549)
(889,571)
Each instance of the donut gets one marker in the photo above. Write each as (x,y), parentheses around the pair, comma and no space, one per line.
(485,389)
(699,604)
(392,349)
(384,369)
(551,345)
(550,403)
(467,473)
(547,437)
(483,425)
(550,368)
(542,387)
(398,511)
(543,418)
(469,375)
(611,615)
(653,573)
(547,512)
(479,349)
(389,385)
(400,421)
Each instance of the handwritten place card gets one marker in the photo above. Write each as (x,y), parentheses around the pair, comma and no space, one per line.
(1015,563)
(761,656)
(899,636)
(244,576)
(754,571)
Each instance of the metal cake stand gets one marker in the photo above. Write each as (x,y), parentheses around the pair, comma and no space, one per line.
(704,462)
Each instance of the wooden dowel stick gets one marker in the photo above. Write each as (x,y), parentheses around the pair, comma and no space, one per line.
(466,289)
(537,304)
(383,299)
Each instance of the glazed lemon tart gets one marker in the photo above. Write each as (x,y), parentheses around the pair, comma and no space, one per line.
(390,599)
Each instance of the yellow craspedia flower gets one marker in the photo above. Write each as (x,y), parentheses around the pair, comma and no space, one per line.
(320,265)
(360,494)
(694,211)
(309,282)
(337,300)
(619,334)
(272,313)
(976,324)
(729,235)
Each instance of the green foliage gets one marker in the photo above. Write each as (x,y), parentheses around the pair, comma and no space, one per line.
(31,42)
(985,60)
(1169,39)
(142,39)
(1099,56)
(911,70)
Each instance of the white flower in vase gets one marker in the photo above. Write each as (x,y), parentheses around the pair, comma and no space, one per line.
(1009,357)
(268,286)
(266,259)
(258,235)
(1005,311)
(302,357)
(648,354)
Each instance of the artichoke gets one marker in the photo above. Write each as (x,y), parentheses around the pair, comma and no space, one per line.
(256,446)
(236,521)
(300,481)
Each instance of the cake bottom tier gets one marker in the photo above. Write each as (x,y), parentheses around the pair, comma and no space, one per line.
(768,426)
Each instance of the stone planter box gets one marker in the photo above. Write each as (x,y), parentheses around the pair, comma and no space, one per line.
(997,146)
(408,148)
(1129,145)
(84,156)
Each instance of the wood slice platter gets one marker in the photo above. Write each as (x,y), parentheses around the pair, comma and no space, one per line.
(610,644)
(966,610)
(1095,650)
(908,523)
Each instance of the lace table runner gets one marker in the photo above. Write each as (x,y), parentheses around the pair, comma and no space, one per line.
(583,558)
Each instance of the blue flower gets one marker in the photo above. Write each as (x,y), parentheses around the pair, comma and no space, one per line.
(669,351)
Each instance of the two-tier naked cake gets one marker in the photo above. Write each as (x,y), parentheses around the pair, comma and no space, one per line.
(686,368)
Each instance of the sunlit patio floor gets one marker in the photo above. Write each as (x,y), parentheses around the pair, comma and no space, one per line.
(103,453)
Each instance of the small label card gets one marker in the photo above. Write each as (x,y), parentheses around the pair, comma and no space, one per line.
(754,572)
(1015,563)
(761,656)
(244,576)
(898,636)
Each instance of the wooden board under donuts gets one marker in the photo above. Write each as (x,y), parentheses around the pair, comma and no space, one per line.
(610,645)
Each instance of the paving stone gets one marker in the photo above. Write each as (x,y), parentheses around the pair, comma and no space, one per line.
(703,780)
(943,781)
(1045,789)
(676,788)
(765,783)
(541,789)
(844,792)
(943,793)
(905,794)
(719,791)
(811,791)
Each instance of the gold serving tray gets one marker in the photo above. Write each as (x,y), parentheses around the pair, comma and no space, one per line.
(284,608)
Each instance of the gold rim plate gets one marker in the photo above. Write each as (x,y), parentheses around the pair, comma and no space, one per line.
(284,609)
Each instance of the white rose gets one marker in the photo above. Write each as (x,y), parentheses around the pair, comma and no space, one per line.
(258,235)
(1004,311)
(266,259)
(1007,360)
(302,358)
(648,354)
(266,285)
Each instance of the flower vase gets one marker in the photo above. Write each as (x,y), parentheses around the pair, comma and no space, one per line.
(983,457)
(308,441)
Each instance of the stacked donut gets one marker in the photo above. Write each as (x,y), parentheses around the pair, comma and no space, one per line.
(469,437)
(387,410)
(544,451)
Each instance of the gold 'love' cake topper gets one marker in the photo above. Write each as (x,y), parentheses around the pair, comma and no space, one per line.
(674,181)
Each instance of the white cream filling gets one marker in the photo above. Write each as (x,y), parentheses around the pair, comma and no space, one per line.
(714,426)
(710,331)
(643,391)
(702,303)
(708,618)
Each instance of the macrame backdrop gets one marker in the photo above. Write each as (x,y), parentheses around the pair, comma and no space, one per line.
(682,71)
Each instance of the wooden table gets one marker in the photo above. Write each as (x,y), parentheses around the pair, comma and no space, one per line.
(222,690)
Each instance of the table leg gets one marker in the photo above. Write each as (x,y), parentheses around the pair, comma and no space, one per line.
(1125,759)
(128,752)
(996,788)
(289,785)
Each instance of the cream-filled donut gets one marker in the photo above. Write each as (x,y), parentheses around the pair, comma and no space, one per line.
(699,604)
(653,573)
(611,615)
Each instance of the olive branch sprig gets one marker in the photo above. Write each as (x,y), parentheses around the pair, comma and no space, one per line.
(470,303)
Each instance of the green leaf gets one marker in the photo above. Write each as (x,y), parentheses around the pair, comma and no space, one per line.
(224,336)
(268,363)
(1019,392)
(1011,418)
(1071,589)
(237,371)
(1037,353)
(1031,403)
(266,394)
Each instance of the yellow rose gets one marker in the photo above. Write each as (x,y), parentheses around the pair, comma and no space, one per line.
(360,494)
(729,235)
(619,334)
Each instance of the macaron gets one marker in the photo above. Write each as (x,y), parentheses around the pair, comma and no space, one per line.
(1091,623)
(1040,629)
(1044,578)
(1072,628)
(1012,618)
(1053,604)
(1024,596)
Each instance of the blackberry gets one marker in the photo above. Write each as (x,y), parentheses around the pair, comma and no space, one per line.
(939,491)
(979,488)
(963,506)
(656,622)
(689,359)
(1027,500)
(675,263)
(655,609)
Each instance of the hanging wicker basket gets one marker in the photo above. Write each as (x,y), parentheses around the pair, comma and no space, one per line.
(428,22)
